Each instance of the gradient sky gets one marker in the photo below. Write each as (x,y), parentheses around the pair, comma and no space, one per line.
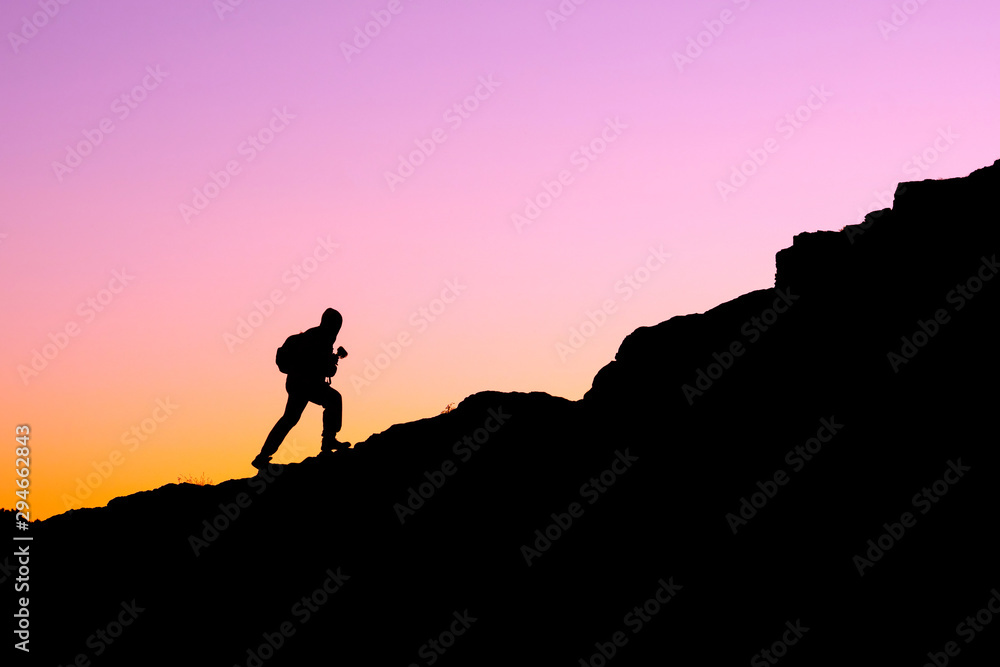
(315,198)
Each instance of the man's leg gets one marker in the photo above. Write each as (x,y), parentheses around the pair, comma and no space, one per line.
(293,411)
(333,414)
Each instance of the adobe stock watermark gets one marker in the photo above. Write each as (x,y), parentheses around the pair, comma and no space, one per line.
(229,512)
(7,569)
(122,107)
(899,17)
(920,162)
(88,309)
(752,329)
(133,438)
(223,7)
(581,158)
(248,149)
(923,501)
(23,613)
(31,26)
(779,648)
(635,621)
(420,320)
(627,287)
(381,18)
(797,457)
(436,647)
(925,330)
(464,449)
(915,166)
(264,308)
(454,116)
(786,127)
(968,630)
(562,12)
(302,611)
(714,28)
(103,638)
(591,491)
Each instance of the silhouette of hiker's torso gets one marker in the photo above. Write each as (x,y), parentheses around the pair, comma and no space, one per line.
(317,353)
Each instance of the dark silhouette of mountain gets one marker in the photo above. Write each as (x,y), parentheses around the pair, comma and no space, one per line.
(806,474)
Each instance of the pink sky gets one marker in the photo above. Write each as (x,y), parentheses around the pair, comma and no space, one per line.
(308,214)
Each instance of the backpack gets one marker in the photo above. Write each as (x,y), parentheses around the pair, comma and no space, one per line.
(290,355)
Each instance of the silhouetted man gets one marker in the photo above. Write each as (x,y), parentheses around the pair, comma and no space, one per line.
(309,361)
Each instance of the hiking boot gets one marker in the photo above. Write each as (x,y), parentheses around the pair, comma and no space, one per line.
(260,462)
(333,445)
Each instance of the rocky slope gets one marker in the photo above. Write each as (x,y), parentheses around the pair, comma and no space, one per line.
(808,471)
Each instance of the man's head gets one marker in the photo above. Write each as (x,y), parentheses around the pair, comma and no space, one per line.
(331,322)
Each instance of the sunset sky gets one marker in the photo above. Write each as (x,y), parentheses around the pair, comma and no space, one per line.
(509,188)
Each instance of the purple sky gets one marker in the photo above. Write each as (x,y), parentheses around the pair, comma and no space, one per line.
(636,144)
